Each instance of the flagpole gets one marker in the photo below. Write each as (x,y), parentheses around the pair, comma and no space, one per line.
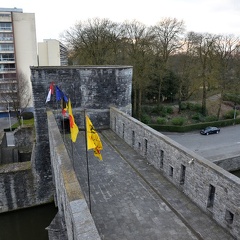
(72,156)
(88,176)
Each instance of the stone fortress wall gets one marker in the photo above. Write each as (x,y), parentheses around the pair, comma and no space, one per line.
(94,88)
(213,189)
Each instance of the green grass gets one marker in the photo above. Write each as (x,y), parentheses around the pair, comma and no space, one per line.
(28,122)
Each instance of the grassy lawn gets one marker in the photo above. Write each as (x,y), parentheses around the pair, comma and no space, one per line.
(28,122)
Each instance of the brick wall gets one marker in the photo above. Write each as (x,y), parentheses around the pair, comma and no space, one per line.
(197,177)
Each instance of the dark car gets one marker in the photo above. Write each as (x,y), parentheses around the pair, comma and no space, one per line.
(210,130)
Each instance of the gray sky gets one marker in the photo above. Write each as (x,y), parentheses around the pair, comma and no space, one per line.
(55,16)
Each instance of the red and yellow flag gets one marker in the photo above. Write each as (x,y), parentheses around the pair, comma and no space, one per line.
(93,140)
(73,127)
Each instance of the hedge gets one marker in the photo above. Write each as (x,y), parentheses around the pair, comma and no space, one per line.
(192,127)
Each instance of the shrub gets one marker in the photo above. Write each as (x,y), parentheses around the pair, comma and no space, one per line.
(194,107)
(232,97)
(161,120)
(197,117)
(169,110)
(230,114)
(183,106)
(179,121)
(157,109)
(146,109)
(210,118)
(163,112)
(145,118)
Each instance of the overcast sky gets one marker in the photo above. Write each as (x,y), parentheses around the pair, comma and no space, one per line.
(54,16)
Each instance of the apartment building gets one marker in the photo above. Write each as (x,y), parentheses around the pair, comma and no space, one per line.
(18,51)
(51,52)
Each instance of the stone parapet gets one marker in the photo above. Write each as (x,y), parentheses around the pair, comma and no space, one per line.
(72,206)
(213,189)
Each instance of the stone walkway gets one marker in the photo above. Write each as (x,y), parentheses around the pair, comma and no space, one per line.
(131,200)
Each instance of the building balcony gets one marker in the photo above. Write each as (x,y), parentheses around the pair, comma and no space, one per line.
(7,81)
(8,91)
(5,17)
(8,70)
(6,39)
(6,28)
(2,61)
(6,50)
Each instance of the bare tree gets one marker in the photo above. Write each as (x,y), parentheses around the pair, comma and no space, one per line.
(137,39)
(93,42)
(18,95)
(168,40)
(226,48)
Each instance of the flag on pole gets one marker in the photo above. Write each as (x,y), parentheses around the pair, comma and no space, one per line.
(60,96)
(93,140)
(73,127)
(50,92)
(64,106)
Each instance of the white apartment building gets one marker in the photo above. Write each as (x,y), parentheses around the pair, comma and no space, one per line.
(18,51)
(51,52)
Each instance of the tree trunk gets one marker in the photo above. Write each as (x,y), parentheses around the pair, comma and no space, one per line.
(220,104)
(134,102)
(159,92)
(180,97)
(139,104)
(204,98)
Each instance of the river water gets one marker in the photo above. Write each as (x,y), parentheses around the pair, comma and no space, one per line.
(27,224)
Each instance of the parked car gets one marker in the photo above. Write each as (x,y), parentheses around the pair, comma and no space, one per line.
(210,130)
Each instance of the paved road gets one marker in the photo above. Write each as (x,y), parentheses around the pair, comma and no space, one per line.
(131,201)
(213,147)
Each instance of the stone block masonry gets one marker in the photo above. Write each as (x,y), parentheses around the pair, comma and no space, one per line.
(213,189)
(18,187)
(94,88)
(73,213)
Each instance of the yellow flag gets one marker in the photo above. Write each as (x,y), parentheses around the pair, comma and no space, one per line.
(73,127)
(93,140)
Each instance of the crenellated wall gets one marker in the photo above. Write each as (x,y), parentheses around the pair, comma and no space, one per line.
(213,189)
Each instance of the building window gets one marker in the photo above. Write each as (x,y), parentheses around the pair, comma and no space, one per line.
(182,174)
(6,47)
(133,138)
(6,26)
(146,146)
(229,217)
(170,171)
(161,158)
(211,196)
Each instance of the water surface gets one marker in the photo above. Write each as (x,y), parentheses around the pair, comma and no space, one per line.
(27,224)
